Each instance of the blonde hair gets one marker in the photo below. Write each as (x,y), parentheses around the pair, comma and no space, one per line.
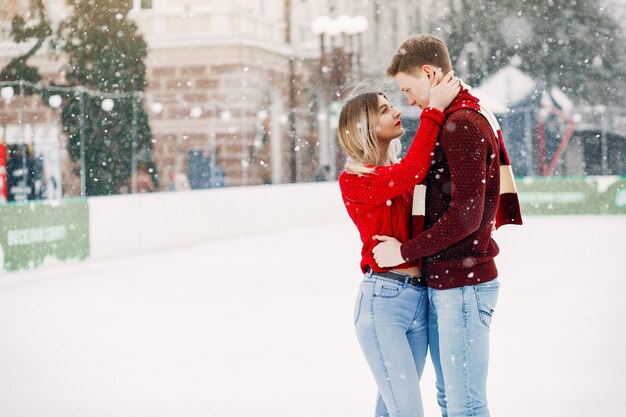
(356,132)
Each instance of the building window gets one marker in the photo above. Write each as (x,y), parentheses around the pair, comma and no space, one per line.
(146,4)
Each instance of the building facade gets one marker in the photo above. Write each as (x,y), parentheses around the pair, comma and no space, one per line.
(245,85)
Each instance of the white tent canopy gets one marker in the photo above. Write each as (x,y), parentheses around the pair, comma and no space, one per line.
(510,86)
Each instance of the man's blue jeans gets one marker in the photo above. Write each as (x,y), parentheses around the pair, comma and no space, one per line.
(391,321)
(458,324)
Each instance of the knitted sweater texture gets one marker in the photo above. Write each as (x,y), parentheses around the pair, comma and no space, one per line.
(462,196)
(380,203)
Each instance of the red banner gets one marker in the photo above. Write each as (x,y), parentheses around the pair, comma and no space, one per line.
(3,174)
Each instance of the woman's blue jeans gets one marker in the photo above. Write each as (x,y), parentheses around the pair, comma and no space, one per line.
(391,321)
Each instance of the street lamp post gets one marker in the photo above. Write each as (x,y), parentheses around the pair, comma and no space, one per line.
(25,173)
(320,27)
(357,27)
(332,60)
(245,163)
(293,164)
(81,122)
(133,139)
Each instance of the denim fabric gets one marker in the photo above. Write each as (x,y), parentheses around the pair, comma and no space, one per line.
(391,322)
(459,320)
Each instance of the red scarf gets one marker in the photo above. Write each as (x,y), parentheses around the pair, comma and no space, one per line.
(509,211)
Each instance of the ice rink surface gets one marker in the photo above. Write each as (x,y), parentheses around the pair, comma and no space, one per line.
(262,327)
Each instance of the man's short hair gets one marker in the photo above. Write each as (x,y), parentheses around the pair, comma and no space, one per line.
(417,51)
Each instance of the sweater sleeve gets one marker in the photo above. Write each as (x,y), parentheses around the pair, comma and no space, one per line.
(466,151)
(390,181)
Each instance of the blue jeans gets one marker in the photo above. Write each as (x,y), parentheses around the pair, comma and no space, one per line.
(391,322)
(459,320)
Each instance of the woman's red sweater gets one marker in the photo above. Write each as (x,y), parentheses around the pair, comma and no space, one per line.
(380,203)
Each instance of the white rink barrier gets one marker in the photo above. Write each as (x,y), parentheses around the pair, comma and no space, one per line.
(133,224)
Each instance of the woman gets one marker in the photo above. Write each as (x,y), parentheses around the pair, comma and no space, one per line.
(391,311)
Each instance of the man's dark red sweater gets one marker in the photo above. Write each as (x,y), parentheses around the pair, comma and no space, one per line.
(462,197)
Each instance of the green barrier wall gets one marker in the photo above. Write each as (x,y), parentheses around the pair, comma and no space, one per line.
(559,196)
(35,232)
(32,232)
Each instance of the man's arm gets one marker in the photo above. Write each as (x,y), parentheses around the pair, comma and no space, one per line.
(466,150)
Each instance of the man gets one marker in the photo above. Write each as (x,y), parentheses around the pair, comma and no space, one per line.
(465,201)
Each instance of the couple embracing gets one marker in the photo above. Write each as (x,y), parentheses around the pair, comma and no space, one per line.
(430,280)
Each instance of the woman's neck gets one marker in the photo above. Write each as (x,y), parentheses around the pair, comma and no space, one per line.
(382,159)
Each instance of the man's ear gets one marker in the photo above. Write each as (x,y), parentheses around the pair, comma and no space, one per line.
(429,71)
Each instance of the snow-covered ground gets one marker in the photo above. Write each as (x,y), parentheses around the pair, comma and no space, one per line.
(262,327)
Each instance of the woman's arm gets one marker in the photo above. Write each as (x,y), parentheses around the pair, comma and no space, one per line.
(390,181)
(387,182)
